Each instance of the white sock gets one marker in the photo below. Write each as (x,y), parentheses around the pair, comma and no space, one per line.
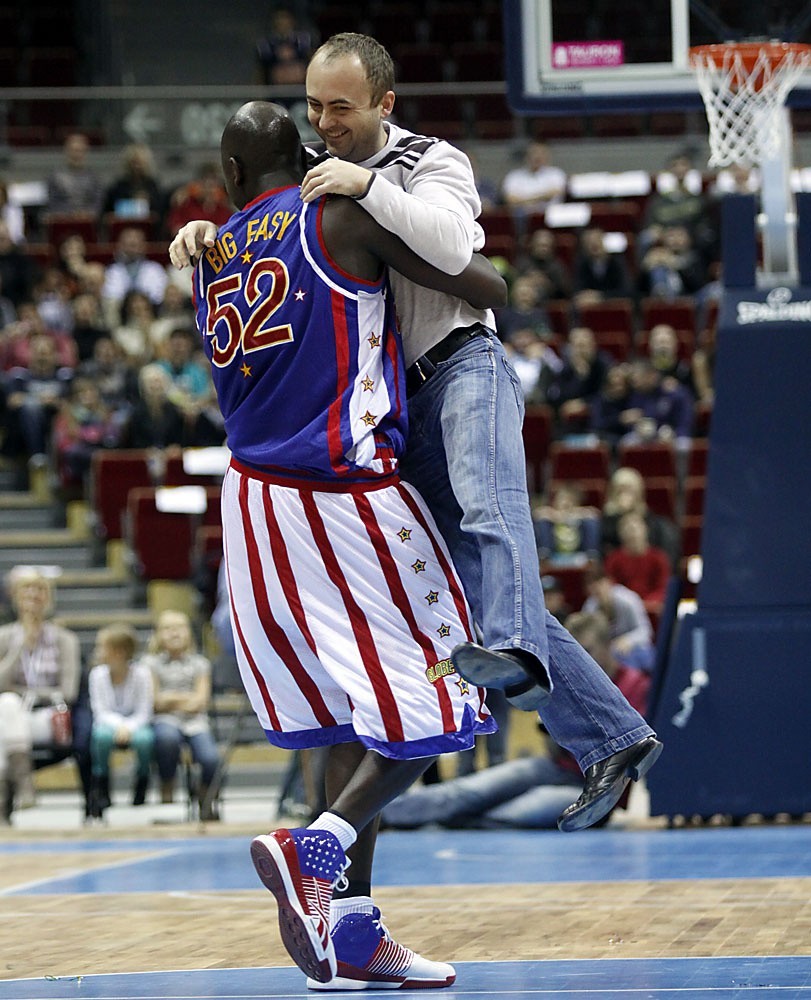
(345,832)
(349,904)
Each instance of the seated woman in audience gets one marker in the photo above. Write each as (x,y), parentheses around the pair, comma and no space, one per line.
(626,492)
(182,692)
(638,565)
(121,703)
(40,673)
(566,531)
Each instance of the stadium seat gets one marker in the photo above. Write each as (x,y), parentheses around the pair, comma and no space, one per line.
(615,343)
(616,216)
(60,225)
(51,67)
(569,461)
(478,61)
(115,224)
(558,311)
(613,315)
(679,313)
(537,432)
(660,495)
(652,459)
(691,535)
(162,543)
(420,62)
(112,475)
(572,581)
(497,222)
(492,117)
(592,490)
(442,115)
(697,457)
(694,489)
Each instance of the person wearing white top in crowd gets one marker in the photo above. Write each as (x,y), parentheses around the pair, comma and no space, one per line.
(121,702)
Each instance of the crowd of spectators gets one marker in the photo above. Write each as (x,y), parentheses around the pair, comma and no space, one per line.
(151,702)
(98,343)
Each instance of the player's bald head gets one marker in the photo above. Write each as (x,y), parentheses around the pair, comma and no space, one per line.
(260,139)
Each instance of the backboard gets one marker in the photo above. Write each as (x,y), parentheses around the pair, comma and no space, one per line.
(631,55)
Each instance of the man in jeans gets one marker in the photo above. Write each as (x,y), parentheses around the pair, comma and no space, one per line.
(465,451)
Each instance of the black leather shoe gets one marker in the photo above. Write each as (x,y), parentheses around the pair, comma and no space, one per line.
(606,781)
(504,671)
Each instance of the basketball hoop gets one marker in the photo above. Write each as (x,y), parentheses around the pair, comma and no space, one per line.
(744,85)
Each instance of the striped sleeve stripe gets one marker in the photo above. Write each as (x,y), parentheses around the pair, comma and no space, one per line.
(402,602)
(367,650)
(274,632)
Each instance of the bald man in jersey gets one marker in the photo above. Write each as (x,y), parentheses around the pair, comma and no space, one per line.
(344,602)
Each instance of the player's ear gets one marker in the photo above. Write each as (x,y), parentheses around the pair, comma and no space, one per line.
(387,104)
(236,172)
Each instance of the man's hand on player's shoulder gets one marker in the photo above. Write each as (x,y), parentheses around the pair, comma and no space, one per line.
(335,176)
(190,242)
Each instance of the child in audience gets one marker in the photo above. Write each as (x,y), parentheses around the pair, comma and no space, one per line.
(121,703)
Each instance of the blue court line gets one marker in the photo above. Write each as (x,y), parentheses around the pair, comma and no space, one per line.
(455,858)
(752,978)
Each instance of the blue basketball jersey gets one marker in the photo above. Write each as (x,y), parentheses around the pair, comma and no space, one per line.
(306,359)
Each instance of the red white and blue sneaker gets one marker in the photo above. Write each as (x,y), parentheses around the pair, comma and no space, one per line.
(301,868)
(369,959)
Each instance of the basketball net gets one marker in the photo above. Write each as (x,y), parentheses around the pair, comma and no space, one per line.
(744,87)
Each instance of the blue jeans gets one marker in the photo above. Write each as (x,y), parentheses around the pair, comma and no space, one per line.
(168,742)
(102,742)
(528,792)
(476,489)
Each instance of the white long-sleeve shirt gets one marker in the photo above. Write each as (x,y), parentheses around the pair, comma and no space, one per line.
(424,192)
(128,704)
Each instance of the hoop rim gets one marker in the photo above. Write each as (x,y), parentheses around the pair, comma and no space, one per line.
(747,52)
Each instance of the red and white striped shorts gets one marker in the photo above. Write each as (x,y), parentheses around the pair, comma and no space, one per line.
(345,608)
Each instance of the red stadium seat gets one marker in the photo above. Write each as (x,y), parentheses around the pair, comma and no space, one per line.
(420,62)
(616,216)
(112,475)
(660,495)
(558,311)
(572,581)
(60,225)
(612,315)
(652,459)
(691,526)
(697,457)
(593,491)
(537,431)
(478,60)
(678,313)
(694,489)
(568,461)
(162,543)
(615,343)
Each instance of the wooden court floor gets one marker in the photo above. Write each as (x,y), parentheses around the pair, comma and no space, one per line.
(91,907)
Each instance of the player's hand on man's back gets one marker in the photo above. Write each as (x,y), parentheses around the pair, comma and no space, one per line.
(335,176)
(191,241)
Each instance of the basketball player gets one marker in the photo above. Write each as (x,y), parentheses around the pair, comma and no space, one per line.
(465,451)
(344,602)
